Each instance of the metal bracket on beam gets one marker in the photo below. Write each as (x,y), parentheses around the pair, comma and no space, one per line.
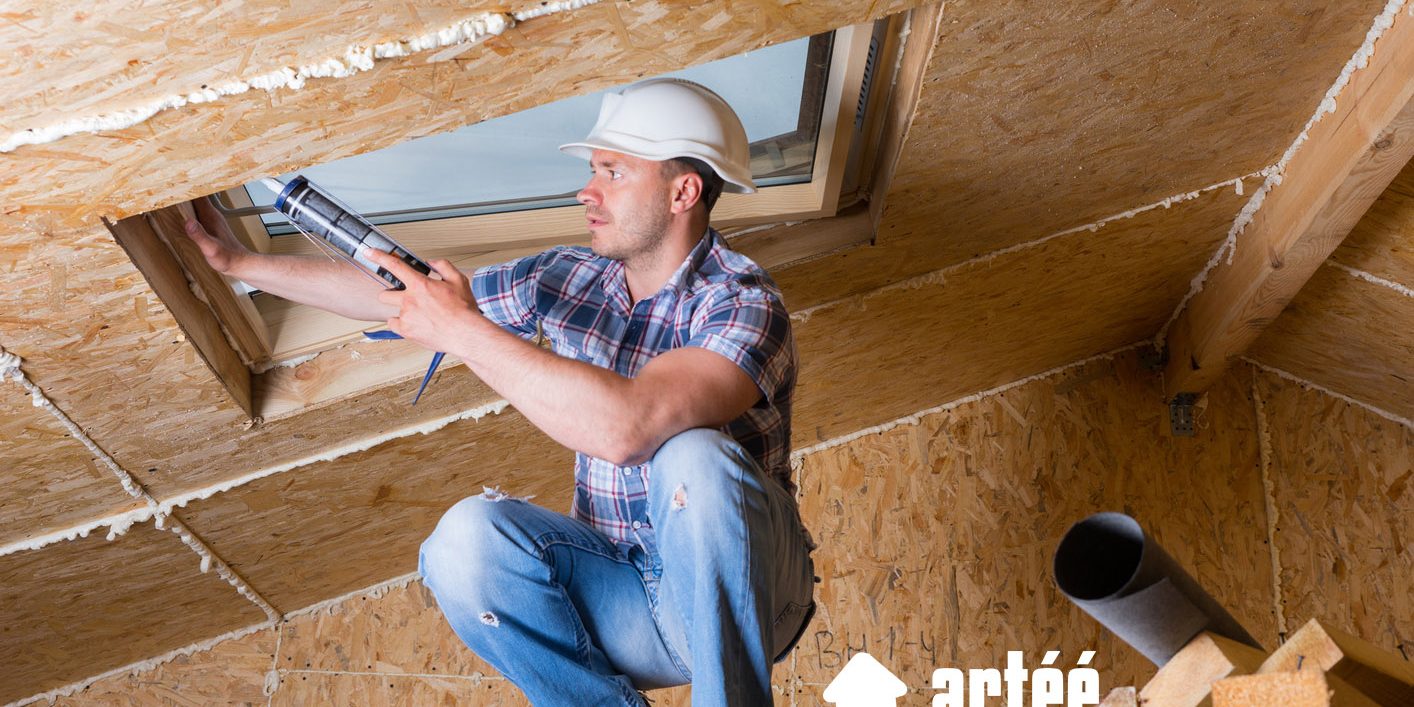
(1152,358)
(1181,414)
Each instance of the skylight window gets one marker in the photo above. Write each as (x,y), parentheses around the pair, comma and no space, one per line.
(512,163)
(501,189)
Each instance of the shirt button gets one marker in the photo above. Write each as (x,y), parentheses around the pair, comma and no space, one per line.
(637,525)
(628,472)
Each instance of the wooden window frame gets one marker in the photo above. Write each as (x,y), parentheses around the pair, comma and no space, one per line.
(291,332)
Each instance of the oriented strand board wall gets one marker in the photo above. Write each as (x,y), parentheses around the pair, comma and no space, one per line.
(957,573)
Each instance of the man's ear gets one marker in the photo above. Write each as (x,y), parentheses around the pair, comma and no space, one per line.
(687,191)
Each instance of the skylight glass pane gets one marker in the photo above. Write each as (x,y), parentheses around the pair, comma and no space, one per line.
(516,157)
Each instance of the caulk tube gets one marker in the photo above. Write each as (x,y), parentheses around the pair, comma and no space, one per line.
(318,212)
(1114,571)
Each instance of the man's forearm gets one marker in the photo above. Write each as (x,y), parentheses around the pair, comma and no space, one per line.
(579,405)
(315,281)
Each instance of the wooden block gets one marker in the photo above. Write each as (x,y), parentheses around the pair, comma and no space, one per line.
(1377,674)
(1120,697)
(1186,680)
(1304,689)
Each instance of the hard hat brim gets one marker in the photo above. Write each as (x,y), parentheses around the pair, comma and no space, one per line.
(734,181)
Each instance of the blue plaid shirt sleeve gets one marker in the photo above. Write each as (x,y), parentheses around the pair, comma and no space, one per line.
(505,293)
(749,326)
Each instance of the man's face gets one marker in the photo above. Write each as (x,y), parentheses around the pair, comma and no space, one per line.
(627,204)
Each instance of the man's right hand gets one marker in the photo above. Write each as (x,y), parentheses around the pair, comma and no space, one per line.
(209,230)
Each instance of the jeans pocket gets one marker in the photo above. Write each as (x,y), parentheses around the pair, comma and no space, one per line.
(789,616)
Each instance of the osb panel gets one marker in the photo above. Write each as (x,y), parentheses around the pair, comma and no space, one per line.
(180,154)
(230,673)
(1344,492)
(117,54)
(51,481)
(1382,243)
(936,538)
(94,335)
(1351,336)
(333,527)
(81,608)
(1035,119)
(401,632)
(999,321)
(300,689)
(100,344)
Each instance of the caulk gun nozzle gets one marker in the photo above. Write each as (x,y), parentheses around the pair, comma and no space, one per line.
(273,184)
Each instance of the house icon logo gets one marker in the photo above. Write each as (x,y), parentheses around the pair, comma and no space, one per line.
(865,682)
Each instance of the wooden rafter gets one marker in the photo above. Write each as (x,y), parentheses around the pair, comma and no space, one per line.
(1350,157)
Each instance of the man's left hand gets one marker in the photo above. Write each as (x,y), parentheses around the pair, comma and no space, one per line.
(433,313)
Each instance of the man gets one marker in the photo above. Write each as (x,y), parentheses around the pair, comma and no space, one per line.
(683,558)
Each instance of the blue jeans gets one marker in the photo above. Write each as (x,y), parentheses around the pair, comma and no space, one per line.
(719,587)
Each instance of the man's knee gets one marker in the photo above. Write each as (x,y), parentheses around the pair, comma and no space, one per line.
(469,535)
(697,446)
(699,463)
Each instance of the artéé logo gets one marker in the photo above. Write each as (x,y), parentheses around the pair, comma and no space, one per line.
(865,682)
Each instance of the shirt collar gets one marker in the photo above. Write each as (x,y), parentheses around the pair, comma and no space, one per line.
(684,278)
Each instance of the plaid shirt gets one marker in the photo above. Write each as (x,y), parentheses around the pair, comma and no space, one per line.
(717,300)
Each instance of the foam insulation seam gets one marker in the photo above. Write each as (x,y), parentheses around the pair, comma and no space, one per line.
(1372,278)
(10,367)
(1264,442)
(356,58)
(143,666)
(797,457)
(1277,172)
(1338,396)
(939,276)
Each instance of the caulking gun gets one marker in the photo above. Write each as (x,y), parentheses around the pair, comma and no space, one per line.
(335,228)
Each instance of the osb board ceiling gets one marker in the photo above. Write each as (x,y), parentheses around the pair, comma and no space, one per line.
(1038,118)
(994,322)
(94,336)
(97,340)
(1348,335)
(337,526)
(233,673)
(114,51)
(1382,244)
(51,481)
(80,608)
(199,149)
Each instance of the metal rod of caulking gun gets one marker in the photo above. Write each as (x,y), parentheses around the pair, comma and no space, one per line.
(277,187)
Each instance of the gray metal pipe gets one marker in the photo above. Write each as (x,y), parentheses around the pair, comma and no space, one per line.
(1115,572)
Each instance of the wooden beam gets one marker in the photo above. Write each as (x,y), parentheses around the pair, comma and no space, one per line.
(1188,677)
(1379,675)
(240,321)
(196,319)
(1349,158)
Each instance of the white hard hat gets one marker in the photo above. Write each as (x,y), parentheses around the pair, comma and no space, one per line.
(661,119)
